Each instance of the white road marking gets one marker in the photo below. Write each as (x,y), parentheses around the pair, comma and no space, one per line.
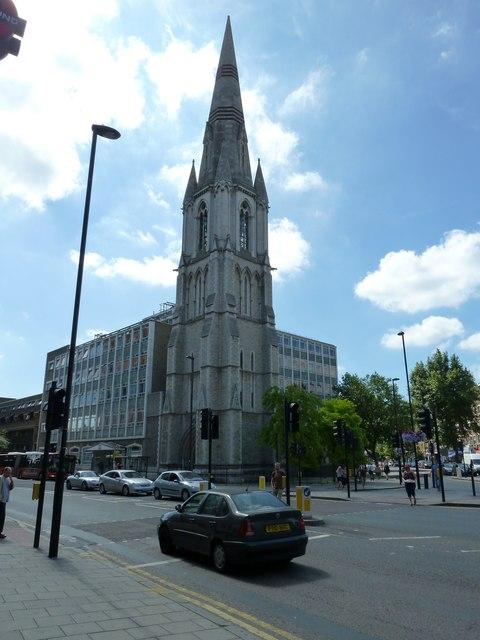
(153,506)
(469,550)
(116,500)
(407,538)
(322,535)
(153,564)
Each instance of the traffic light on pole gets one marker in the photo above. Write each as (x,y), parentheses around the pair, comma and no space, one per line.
(294,415)
(55,409)
(205,423)
(425,422)
(214,429)
(338,431)
(395,441)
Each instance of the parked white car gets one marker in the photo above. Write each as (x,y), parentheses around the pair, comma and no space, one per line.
(125,482)
(84,480)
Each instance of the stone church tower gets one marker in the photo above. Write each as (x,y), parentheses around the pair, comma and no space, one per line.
(224,315)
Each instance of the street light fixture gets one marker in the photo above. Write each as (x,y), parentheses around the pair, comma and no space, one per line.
(191,357)
(412,425)
(111,134)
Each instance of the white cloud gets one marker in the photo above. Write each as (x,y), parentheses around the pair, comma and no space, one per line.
(68,78)
(431,331)
(181,72)
(177,176)
(288,249)
(445,30)
(446,55)
(472,343)
(362,57)
(305,181)
(157,198)
(444,275)
(155,271)
(143,238)
(311,93)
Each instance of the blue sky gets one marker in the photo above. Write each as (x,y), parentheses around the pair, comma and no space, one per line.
(364,113)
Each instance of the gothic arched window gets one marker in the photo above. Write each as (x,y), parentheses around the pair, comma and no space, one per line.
(244,216)
(202,226)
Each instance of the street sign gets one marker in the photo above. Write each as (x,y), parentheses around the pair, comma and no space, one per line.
(10,25)
(306,492)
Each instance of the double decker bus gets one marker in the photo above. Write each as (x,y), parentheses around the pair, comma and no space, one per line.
(28,464)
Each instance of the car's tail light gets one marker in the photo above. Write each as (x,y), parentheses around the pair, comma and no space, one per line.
(246,529)
(301,524)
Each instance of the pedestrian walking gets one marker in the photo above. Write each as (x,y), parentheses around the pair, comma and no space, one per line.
(409,482)
(6,485)
(434,474)
(386,470)
(438,481)
(277,480)
(363,474)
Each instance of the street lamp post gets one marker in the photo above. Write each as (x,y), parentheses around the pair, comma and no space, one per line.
(111,134)
(401,460)
(191,357)
(412,425)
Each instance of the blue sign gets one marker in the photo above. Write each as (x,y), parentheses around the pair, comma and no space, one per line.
(306,492)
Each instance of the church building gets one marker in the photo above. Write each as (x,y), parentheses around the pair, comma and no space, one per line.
(224,324)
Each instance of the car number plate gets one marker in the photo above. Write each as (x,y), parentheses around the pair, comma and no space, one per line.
(276,528)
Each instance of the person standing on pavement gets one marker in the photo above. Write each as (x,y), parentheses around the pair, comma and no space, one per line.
(6,485)
(386,470)
(277,480)
(409,482)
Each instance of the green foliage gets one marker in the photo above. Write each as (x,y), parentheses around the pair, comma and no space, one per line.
(4,442)
(447,387)
(372,397)
(316,424)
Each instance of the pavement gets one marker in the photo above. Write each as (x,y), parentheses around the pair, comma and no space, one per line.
(88,595)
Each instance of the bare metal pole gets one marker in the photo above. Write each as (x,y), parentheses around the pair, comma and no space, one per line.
(412,424)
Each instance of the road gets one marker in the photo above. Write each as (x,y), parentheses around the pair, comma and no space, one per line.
(373,571)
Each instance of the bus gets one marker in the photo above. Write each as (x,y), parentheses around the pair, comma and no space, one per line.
(28,464)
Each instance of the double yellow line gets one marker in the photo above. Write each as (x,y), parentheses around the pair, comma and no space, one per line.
(244,620)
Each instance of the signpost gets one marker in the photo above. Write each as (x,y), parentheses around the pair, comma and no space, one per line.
(10,26)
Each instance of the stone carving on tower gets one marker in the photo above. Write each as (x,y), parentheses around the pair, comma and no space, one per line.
(224,315)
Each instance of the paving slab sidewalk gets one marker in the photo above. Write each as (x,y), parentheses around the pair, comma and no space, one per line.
(84,597)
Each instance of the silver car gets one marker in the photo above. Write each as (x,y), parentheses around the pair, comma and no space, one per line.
(84,480)
(177,484)
(125,482)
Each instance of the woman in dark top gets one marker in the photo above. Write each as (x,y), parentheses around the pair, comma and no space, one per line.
(409,482)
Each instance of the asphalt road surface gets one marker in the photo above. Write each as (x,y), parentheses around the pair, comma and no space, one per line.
(373,571)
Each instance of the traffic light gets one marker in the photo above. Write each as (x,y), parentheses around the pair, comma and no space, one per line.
(294,416)
(214,427)
(395,441)
(425,422)
(205,423)
(55,418)
(338,431)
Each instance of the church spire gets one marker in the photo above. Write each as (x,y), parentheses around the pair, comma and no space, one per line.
(191,186)
(225,128)
(259,185)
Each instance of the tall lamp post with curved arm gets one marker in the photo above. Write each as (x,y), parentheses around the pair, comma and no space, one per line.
(401,454)
(111,134)
(412,424)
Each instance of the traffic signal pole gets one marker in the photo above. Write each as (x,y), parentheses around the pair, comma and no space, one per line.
(286,420)
(44,467)
(439,457)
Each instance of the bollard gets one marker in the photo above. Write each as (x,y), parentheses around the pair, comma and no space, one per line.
(425,481)
(261,483)
(36,491)
(299,497)
(203,485)
(284,482)
(307,505)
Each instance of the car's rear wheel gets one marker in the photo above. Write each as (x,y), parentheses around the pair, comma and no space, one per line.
(125,490)
(165,541)
(185,495)
(219,557)
(102,488)
(68,485)
(157,493)
(84,486)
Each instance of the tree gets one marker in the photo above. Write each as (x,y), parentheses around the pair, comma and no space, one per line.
(308,436)
(372,397)
(447,387)
(4,442)
(315,434)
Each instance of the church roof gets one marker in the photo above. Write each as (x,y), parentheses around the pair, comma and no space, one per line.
(225,136)
(259,185)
